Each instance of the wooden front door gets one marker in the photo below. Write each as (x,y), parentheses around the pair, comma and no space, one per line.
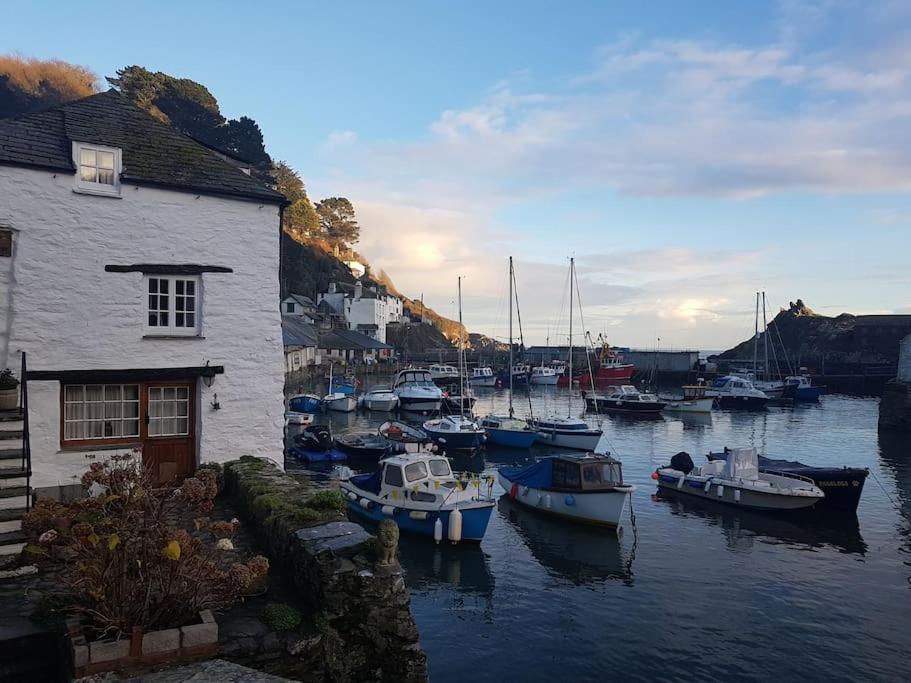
(169,429)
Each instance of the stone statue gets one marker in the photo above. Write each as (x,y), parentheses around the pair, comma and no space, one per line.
(387,543)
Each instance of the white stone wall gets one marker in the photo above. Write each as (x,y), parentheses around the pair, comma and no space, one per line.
(67,313)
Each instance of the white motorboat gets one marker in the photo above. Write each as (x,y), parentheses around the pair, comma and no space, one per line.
(419,492)
(543,375)
(566,432)
(380,399)
(416,391)
(455,433)
(694,400)
(625,399)
(585,488)
(293,417)
(483,377)
(444,374)
(340,403)
(733,393)
(738,481)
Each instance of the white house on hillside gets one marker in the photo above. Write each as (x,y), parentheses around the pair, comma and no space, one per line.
(141,285)
(366,309)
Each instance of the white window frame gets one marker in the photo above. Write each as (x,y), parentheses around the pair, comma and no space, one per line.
(89,187)
(171,329)
(81,407)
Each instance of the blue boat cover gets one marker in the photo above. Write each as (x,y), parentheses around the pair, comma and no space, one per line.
(368,482)
(538,475)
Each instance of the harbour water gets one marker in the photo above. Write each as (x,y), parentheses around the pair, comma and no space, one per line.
(692,590)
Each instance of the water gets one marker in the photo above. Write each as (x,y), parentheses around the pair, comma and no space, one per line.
(698,591)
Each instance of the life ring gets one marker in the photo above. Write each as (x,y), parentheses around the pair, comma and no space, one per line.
(514,491)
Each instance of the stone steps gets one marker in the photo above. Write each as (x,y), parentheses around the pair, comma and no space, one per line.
(11,415)
(10,434)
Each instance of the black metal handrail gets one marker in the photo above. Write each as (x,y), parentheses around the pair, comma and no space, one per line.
(26,442)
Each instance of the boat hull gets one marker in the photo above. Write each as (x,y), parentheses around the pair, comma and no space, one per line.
(304,404)
(456,441)
(604,377)
(346,404)
(576,439)
(419,404)
(332,455)
(727,402)
(545,380)
(804,394)
(511,438)
(383,405)
(725,492)
(483,381)
(627,407)
(603,508)
(690,405)
(474,519)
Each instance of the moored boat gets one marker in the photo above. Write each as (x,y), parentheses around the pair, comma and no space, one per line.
(611,370)
(380,399)
(543,375)
(843,486)
(340,403)
(624,399)
(416,391)
(402,432)
(585,488)
(735,393)
(738,481)
(419,492)
(292,417)
(304,403)
(366,445)
(694,400)
(511,432)
(482,377)
(444,374)
(566,432)
(316,445)
(455,433)
(800,388)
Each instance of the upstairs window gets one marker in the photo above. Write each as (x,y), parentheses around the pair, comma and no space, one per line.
(289,307)
(172,305)
(97,169)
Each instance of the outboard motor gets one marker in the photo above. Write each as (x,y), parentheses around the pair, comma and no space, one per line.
(683,462)
(316,438)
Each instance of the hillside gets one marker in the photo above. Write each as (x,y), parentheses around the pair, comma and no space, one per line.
(813,340)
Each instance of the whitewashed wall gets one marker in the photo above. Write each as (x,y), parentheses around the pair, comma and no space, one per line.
(67,313)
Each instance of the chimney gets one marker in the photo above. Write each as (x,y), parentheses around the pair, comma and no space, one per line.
(332,288)
(358,290)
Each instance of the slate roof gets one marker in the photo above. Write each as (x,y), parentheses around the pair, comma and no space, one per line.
(304,301)
(349,339)
(153,153)
(297,333)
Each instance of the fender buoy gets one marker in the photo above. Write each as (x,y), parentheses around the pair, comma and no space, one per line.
(514,491)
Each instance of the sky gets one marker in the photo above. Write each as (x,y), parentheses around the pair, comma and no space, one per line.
(686,154)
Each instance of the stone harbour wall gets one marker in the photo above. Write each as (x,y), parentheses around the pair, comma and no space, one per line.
(895,407)
(363,626)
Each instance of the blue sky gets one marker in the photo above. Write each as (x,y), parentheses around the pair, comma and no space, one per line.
(687,154)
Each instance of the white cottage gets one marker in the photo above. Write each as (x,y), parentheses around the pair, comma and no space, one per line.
(141,284)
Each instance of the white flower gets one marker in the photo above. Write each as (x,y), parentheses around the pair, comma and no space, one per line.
(48,536)
(224,544)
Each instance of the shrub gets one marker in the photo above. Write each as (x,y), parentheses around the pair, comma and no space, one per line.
(280,617)
(327,500)
(7,381)
(128,564)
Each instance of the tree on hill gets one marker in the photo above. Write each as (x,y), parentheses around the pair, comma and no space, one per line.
(338,220)
(190,108)
(27,85)
(300,218)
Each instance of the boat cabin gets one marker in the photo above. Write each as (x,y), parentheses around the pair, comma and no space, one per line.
(586,473)
(481,372)
(413,377)
(628,392)
(693,391)
(733,383)
(425,479)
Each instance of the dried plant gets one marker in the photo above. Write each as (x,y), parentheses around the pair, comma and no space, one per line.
(129,563)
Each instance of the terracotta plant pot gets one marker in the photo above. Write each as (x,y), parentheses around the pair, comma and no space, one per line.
(9,399)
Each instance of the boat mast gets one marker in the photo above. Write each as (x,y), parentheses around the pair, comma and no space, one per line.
(756,335)
(572,273)
(461,356)
(511,414)
(765,340)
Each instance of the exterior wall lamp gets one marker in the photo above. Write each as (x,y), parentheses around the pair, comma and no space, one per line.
(208,375)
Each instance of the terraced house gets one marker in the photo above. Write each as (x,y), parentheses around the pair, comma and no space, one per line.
(139,275)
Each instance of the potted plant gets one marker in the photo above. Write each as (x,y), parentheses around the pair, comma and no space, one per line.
(9,394)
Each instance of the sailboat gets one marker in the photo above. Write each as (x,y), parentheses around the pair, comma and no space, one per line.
(457,432)
(508,430)
(569,431)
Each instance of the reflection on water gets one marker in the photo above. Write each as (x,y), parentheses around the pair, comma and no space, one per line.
(543,599)
(577,552)
(742,527)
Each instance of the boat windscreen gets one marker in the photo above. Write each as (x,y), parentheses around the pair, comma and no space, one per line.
(440,468)
(415,471)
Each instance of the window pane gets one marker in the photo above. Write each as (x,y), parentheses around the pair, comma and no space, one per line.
(88,174)
(163,320)
(178,302)
(169,393)
(183,393)
(112,428)
(131,409)
(105,160)
(190,304)
(131,392)
(163,286)
(181,425)
(154,409)
(191,320)
(191,287)
(94,392)
(87,157)
(96,429)
(178,287)
(105,177)
(154,393)
(74,392)
(131,428)
(73,411)
(74,430)
(153,285)
(178,320)
(112,410)
(153,320)
(112,392)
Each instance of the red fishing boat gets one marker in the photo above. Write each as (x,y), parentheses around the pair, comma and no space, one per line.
(611,370)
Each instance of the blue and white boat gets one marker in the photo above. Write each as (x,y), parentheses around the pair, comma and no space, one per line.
(419,492)
(511,432)
(482,377)
(584,488)
(341,385)
(800,388)
(455,433)
(304,403)
(316,445)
